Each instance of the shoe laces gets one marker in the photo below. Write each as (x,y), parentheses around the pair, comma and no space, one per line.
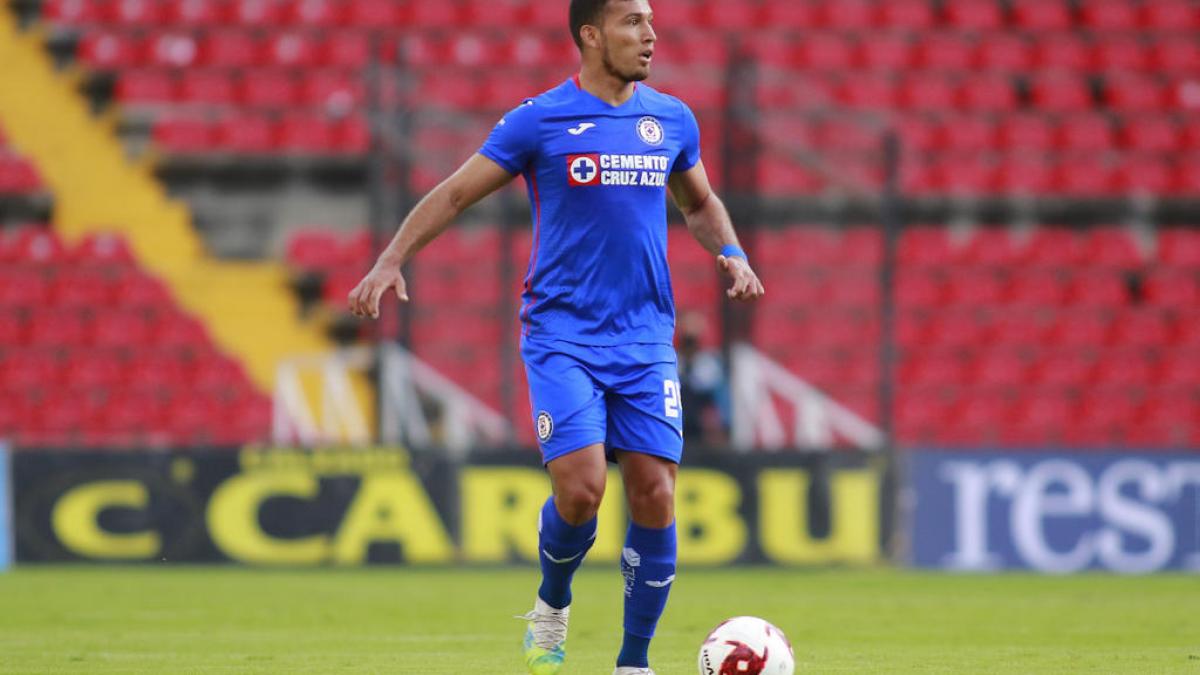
(549,626)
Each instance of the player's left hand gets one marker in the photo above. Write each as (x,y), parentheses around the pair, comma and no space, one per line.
(746,286)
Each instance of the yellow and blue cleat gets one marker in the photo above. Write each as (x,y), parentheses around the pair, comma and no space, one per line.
(545,638)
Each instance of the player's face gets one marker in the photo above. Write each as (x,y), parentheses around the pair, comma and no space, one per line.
(628,40)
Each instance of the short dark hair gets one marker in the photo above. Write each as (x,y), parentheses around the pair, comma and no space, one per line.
(584,13)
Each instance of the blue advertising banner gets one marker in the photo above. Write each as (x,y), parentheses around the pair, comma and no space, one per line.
(1054,513)
(5,512)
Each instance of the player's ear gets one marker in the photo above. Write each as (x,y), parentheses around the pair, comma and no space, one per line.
(590,35)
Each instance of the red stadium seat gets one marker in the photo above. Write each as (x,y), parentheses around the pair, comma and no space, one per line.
(1173,54)
(992,247)
(1111,15)
(968,134)
(373,14)
(1173,288)
(930,92)
(1086,133)
(869,92)
(825,52)
(71,12)
(1060,92)
(991,94)
(196,13)
(1134,93)
(104,249)
(109,51)
(1121,53)
(1100,290)
(230,49)
(251,134)
(1083,329)
(209,87)
(981,15)
(1140,329)
(257,13)
(1171,15)
(292,49)
(172,50)
(268,89)
(1179,247)
(914,15)
(1084,175)
(1006,52)
(887,52)
(307,133)
(851,15)
(345,49)
(947,51)
(1068,368)
(134,13)
(336,92)
(1123,369)
(315,13)
(1063,53)
(1158,133)
(1145,174)
(1112,247)
(789,14)
(953,329)
(969,287)
(1028,132)
(1042,15)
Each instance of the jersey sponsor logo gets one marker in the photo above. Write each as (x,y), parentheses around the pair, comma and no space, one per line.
(545,426)
(650,130)
(619,170)
(583,170)
(583,126)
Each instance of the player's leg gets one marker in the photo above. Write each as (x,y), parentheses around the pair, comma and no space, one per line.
(645,425)
(567,525)
(648,559)
(569,418)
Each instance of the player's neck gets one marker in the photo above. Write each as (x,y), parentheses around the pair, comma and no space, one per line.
(604,86)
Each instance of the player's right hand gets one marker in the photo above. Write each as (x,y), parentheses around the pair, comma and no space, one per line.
(364,299)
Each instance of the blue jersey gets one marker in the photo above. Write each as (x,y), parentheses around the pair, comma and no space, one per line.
(597,177)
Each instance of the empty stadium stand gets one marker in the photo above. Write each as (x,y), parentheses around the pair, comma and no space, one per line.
(1057,336)
(95,352)
(1046,97)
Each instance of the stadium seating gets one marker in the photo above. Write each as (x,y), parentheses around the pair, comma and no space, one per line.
(95,353)
(1055,337)
(18,176)
(1093,86)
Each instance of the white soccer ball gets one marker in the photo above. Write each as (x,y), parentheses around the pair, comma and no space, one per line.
(746,645)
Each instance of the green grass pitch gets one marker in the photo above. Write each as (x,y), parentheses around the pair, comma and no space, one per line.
(394,620)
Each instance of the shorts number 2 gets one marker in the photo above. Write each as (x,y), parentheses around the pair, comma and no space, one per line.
(671,398)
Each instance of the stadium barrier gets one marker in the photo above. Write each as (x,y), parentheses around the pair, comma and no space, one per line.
(282,506)
(5,513)
(1056,513)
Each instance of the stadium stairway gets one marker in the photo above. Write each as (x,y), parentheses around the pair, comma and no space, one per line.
(247,305)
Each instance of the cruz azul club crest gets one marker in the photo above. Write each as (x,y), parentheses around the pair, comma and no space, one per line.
(650,130)
(545,426)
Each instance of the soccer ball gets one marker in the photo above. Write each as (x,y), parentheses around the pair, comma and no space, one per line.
(746,645)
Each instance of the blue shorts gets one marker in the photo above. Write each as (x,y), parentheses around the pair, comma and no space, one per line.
(626,397)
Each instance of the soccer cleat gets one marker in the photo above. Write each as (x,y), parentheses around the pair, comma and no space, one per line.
(631,670)
(545,638)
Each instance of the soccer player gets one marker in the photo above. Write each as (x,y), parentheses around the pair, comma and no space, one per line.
(598,153)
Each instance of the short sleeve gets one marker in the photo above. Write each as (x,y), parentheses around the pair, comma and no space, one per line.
(513,142)
(689,151)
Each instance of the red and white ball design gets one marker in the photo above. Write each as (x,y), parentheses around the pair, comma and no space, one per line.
(746,645)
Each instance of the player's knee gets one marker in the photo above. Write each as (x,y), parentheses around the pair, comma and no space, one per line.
(652,503)
(578,501)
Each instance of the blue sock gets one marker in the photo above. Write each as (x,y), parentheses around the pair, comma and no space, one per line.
(562,547)
(648,563)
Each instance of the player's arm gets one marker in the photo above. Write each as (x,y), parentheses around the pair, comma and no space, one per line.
(709,222)
(475,179)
